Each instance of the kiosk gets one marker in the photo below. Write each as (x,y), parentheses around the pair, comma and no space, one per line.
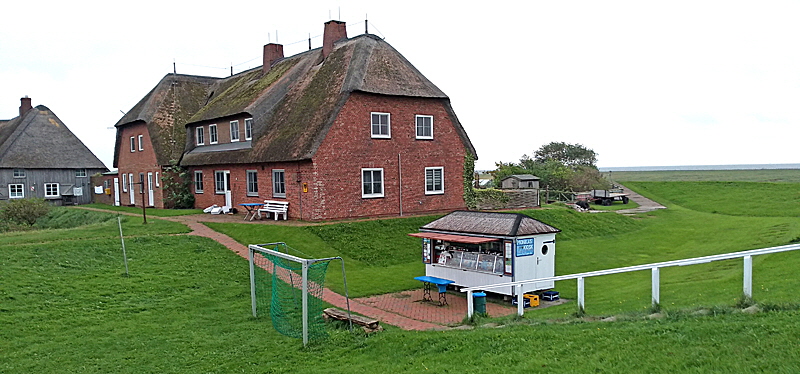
(482,248)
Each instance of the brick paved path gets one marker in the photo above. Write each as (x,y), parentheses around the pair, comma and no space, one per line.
(404,310)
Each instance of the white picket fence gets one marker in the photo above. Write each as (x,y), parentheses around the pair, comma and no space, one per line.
(655,277)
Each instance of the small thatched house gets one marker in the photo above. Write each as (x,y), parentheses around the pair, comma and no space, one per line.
(40,157)
(350,129)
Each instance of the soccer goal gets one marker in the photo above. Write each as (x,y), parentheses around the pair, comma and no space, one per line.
(292,288)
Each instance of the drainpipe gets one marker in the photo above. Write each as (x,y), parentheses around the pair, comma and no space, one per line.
(400,182)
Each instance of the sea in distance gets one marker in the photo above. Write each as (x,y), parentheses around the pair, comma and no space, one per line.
(701,167)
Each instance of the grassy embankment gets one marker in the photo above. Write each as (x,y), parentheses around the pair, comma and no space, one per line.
(65,306)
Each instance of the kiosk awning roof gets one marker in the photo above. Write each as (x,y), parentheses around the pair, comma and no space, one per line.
(454,238)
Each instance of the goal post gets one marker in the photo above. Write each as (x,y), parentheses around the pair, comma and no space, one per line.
(295,289)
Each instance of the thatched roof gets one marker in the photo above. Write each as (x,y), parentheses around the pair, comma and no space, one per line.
(39,140)
(165,110)
(490,223)
(294,104)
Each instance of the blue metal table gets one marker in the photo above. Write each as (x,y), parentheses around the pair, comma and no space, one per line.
(427,286)
(252,210)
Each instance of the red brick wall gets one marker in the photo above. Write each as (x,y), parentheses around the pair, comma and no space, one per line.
(333,177)
(139,162)
(238,178)
(349,147)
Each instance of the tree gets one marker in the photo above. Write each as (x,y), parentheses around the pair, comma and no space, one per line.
(571,155)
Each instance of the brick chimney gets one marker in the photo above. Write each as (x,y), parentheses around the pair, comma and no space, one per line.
(25,105)
(334,31)
(272,52)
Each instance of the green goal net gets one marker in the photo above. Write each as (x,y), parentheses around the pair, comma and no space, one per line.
(291,288)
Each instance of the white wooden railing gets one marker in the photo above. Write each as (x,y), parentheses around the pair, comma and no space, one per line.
(655,277)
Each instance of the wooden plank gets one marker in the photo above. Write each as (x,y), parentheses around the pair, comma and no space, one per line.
(359,320)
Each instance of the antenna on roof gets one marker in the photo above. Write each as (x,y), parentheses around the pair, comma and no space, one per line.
(366,28)
(340,14)
(231,68)
(309,41)
(174,69)
(276,37)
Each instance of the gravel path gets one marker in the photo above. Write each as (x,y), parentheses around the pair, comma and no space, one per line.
(645,204)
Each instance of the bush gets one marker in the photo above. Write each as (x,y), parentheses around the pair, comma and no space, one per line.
(23,212)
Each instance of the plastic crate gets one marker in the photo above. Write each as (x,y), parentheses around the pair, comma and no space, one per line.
(550,295)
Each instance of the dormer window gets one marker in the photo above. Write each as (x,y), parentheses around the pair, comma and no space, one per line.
(381,127)
(212,134)
(234,131)
(248,129)
(201,136)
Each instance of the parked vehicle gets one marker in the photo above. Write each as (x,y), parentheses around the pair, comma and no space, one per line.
(607,197)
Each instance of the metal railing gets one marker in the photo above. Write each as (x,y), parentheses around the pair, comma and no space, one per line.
(655,275)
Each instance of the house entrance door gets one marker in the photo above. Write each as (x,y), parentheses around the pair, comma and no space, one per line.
(131,189)
(116,191)
(150,199)
(228,197)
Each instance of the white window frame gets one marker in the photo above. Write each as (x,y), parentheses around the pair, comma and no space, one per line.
(434,191)
(124,183)
(198,181)
(200,135)
(141,145)
(133,144)
(19,173)
(213,134)
(252,181)
(234,132)
(278,184)
(372,125)
(372,194)
(48,186)
(80,173)
(217,182)
(417,127)
(158,183)
(248,129)
(21,191)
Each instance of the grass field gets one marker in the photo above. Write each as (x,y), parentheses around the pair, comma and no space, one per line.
(65,305)
(764,175)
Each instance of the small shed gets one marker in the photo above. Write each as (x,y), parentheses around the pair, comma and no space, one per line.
(483,248)
(517,181)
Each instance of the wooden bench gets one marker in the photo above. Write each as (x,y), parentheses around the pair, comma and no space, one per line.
(368,324)
(274,207)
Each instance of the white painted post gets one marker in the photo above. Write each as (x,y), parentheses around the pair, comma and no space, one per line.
(305,303)
(748,276)
(520,307)
(470,305)
(655,276)
(252,282)
(581,305)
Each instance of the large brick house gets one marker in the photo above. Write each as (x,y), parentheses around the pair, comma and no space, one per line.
(40,157)
(351,129)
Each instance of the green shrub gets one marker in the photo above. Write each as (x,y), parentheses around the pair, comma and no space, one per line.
(23,212)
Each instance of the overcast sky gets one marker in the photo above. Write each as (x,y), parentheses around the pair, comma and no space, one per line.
(642,83)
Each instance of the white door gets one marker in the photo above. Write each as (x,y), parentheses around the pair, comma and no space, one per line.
(228,197)
(116,191)
(150,199)
(131,190)
(545,263)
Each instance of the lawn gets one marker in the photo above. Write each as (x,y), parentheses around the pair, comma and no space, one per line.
(149,212)
(65,305)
